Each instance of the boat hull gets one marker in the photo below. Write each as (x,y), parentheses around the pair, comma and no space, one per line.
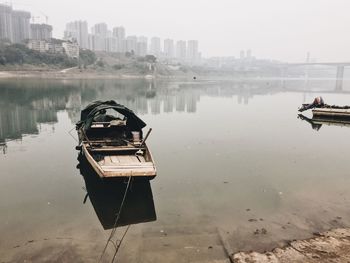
(331,112)
(121,169)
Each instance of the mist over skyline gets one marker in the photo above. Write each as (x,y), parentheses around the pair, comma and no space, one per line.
(272,29)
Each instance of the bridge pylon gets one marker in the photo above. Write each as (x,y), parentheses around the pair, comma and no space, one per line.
(340,77)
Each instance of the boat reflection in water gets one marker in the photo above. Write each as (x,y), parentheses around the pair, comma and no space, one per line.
(106,196)
(317,121)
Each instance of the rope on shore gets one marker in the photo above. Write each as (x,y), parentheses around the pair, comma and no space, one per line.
(115,228)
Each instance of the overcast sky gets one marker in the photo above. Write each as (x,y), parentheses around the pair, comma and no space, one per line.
(276,29)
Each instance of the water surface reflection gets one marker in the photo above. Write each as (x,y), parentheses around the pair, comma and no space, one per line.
(25,104)
(106,197)
(317,122)
(229,155)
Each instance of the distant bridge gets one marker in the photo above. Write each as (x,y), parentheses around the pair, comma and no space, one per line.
(342,64)
(340,70)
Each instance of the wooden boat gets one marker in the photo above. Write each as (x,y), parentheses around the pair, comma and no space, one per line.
(114,145)
(320,109)
(332,111)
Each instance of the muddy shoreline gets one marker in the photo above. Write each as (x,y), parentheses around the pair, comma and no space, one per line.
(66,75)
(329,246)
(209,245)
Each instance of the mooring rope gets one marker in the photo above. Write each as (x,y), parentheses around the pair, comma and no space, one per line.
(69,132)
(115,227)
(120,243)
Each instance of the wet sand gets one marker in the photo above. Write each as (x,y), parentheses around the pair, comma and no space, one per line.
(186,244)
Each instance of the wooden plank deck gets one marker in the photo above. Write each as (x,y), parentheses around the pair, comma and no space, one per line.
(120,165)
(112,160)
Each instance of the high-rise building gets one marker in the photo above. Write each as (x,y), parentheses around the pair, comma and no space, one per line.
(91,42)
(142,44)
(142,39)
(119,32)
(131,43)
(249,54)
(100,29)
(6,22)
(141,49)
(169,48)
(98,39)
(40,31)
(14,25)
(242,54)
(111,44)
(122,45)
(181,50)
(155,48)
(20,26)
(97,43)
(192,50)
(78,31)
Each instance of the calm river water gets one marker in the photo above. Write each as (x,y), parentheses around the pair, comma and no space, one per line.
(232,158)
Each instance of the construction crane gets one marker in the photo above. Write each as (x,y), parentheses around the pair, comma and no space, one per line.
(34,18)
(46,17)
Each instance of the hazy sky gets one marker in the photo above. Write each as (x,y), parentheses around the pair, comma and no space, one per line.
(276,29)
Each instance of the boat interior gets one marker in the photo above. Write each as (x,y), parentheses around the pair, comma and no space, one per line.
(111,144)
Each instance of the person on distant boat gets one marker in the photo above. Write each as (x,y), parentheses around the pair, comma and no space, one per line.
(317,103)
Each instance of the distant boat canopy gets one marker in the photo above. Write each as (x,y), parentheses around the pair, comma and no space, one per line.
(98,109)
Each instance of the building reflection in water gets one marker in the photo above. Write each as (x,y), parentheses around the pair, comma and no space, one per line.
(25,104)
(106,197)
(16,120)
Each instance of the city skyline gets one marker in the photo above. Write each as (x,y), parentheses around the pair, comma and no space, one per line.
(282,30)
(102,37)
(19,26)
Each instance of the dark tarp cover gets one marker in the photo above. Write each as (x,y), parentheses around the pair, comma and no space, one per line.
(95,108)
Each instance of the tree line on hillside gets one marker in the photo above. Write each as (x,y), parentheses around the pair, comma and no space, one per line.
(19,54)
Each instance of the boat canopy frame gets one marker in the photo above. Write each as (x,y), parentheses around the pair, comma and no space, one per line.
(97,108)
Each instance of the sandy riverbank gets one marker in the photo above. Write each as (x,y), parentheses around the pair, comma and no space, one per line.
(329,246)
